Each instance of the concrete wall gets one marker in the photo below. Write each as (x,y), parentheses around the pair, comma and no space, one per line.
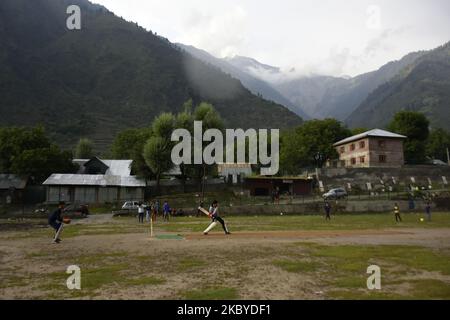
(346,154)
(333,177)
(392,149)
(175,186)
(317,208)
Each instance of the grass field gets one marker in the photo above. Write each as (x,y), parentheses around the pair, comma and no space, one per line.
(270,257)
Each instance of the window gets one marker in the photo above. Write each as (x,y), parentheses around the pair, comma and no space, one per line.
(353,161)
(342,149)
(362,159)
(382,158)
(362,144)
(381,143)
(352,147)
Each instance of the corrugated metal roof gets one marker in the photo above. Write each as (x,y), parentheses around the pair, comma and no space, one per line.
(8,181)
(116,167)
(93,180)
(371,133)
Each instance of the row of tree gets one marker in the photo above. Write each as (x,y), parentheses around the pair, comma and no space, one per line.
(29,152)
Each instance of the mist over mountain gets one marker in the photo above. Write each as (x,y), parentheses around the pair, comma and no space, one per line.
(423,86)
(321,96)
(108,76)
(237,68)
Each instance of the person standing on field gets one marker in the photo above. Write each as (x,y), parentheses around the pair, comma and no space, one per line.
(327,210)
(156,208)
(153,211)
(166,211)
(148,209)
(141,210)
(398,218)
(428,210)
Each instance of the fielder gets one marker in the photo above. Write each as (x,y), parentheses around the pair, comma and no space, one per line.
(214,215)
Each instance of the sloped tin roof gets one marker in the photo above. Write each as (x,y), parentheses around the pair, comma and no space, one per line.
(93,180)
(371,133)
(115,167)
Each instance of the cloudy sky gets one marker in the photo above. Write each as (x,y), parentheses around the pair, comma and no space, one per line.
(333,37)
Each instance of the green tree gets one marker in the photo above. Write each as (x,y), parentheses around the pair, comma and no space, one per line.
(157,156)
(15,140)
(84,149)
(414,125)
(158,148)
(40,163)
(437,144)
(28,152)
(129,144)
(211,119)
(299,146)
(185,120)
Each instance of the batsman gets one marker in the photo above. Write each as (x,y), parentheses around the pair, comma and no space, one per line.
(214,215)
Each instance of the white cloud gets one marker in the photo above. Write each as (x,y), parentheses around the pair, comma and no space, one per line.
(221,33)
(332,37)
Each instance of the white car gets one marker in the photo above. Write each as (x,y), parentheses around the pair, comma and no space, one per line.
(131,205)
(336,193)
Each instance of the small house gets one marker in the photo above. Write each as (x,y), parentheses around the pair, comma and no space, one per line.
(12,188)
(97,181)
(374,148)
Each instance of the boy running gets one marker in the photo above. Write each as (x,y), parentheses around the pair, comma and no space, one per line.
(56,221)
(214,214)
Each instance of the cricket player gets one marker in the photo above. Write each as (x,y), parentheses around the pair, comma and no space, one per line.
(398,218)
(327,210)
(214,214)
(56,220)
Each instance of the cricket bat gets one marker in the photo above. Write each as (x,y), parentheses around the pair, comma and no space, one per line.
(58,233)
(204,211)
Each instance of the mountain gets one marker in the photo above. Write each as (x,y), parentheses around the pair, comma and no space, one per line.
(108,76)
(250,64)
(311,92)
(325,96)
(422,86)
(321,96)
(234,67)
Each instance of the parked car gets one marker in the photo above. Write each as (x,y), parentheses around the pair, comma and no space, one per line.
(132,205)
(336,193)
(437,162)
